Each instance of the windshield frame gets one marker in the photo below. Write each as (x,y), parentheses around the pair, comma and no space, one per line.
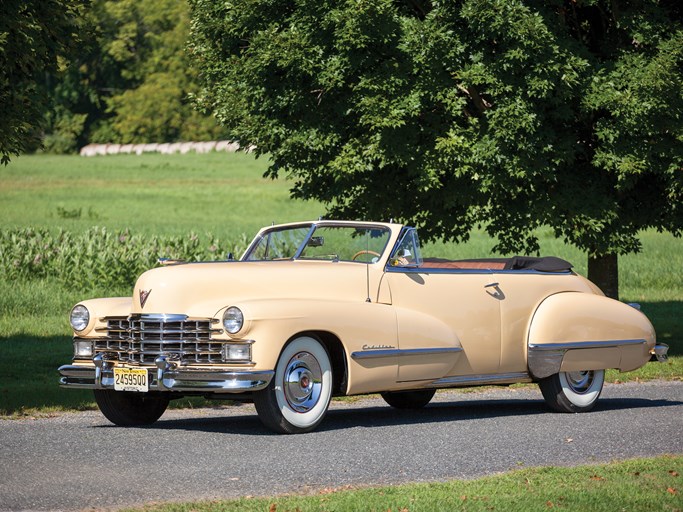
(312,227)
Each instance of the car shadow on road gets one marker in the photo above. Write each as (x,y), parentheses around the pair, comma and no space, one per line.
(468,411)
(342,416)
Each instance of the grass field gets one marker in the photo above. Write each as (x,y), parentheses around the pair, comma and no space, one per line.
(221,193)
(225,195)
(634,486)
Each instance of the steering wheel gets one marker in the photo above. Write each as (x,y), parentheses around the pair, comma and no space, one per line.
(364,251)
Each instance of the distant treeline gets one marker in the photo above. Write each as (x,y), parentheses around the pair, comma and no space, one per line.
(130,83)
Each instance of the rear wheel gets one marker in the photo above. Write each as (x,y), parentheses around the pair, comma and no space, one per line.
(409,399)
(573,391)
(297,398)
(127,409)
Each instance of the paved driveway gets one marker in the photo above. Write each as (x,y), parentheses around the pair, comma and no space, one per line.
(78,461)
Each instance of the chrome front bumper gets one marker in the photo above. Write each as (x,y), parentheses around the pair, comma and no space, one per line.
(168,376)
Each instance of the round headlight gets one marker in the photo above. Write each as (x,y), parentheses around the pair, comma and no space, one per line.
(80,318)
(233,319)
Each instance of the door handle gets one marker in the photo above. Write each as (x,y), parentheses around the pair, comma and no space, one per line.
(497,293)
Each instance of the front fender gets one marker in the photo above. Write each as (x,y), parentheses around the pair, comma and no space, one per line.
(271,323)
(99,309)
(575,331)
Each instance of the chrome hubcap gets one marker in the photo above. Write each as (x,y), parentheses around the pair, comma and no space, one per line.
(580,382)
(302,382)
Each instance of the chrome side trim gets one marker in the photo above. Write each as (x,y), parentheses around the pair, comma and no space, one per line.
(545,359)
(376,354)
(584,344)
(479,380)
(427,270)
(218,380)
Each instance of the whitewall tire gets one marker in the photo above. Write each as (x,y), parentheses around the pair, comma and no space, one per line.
(573,391)
(297,398)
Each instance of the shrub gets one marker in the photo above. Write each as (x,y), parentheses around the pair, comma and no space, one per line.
(100,258)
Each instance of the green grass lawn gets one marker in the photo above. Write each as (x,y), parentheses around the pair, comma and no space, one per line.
(223,194)
(634,486)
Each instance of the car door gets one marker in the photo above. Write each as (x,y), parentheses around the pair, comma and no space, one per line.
(448,323)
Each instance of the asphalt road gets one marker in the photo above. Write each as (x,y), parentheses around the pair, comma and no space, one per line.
(79,461)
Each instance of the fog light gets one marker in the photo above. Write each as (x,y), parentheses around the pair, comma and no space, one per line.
(82,349)
(237,352)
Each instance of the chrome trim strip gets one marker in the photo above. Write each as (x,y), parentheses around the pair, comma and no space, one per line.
(218,380)
(376,354)
(479,380)
(545,359)
(163,317)
(584,344)
(427,270)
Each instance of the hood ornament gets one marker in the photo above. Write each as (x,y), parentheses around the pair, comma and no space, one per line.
(144,294)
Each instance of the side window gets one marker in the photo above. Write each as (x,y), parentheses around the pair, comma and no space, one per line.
(407,252)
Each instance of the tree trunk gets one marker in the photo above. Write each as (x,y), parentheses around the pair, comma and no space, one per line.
(604,272)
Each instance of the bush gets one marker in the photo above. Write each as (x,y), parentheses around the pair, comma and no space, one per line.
(67,129)
(100,258)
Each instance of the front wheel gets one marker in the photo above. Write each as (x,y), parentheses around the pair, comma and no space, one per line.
(127,409)
(573,391)
(297,398)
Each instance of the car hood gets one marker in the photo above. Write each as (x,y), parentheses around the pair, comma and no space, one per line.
(203,289)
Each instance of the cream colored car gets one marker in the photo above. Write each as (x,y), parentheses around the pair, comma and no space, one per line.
(325,308)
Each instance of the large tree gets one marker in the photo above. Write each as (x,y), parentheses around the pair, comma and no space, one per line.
(515,115)
(36,38)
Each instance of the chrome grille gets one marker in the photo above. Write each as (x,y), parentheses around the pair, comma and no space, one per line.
(140,339)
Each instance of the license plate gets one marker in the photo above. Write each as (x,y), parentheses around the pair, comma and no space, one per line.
(131,379)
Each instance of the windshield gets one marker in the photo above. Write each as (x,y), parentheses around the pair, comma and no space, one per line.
(320,242)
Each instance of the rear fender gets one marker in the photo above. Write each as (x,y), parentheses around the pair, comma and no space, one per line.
(574,331)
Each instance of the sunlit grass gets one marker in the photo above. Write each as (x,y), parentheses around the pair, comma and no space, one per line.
(221,193)
(635,485)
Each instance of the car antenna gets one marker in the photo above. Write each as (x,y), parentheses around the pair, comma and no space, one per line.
(367,266)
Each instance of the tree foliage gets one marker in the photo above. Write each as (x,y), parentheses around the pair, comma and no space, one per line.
(37,38)
(561,113)
(147,39)
(96,71)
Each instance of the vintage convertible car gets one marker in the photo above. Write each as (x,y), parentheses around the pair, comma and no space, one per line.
(324,308)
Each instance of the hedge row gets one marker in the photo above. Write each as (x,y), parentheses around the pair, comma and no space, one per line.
(99,257)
